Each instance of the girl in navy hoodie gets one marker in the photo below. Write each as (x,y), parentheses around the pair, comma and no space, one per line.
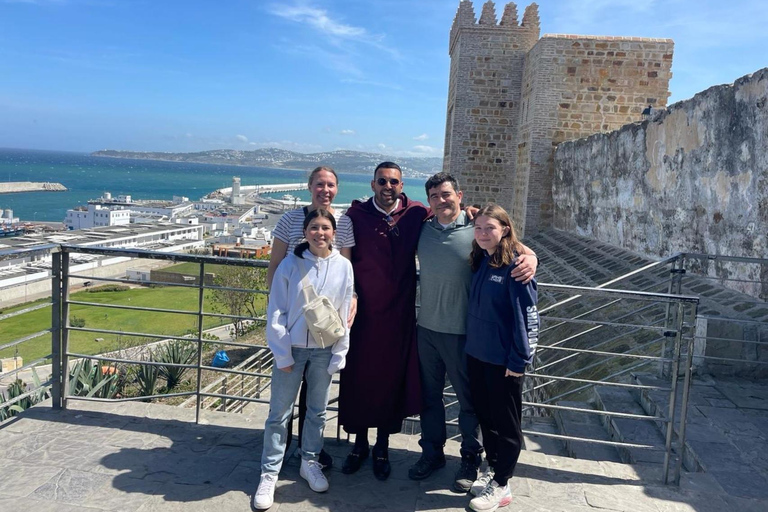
(502,332)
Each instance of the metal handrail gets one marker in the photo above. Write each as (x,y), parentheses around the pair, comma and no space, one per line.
(674,325)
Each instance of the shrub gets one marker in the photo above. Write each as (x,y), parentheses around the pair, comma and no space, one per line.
(176,352)
(109,288)
(76,321)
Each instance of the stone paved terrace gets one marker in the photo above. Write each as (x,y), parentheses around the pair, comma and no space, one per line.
(146,457)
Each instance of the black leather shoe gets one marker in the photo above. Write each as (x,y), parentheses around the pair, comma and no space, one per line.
(353,461)
(325,460)
(425,466)
(381,465)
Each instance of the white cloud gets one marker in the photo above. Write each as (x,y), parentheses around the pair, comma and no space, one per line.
(339,48)
(241,138)
(382,146)
(347,132)
(423,136)
(426,150)
(317,19)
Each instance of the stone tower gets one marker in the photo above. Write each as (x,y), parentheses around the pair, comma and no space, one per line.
(513,97)
(486,77)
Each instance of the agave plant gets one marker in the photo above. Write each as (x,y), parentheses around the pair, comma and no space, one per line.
(146,377)
(93,379)
(175,352)
(17,389)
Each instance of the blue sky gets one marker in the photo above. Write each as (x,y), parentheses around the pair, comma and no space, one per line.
(304,75)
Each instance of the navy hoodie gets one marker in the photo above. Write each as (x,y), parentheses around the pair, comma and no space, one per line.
(502,321)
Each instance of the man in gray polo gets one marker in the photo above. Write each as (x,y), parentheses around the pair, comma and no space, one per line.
(445,276)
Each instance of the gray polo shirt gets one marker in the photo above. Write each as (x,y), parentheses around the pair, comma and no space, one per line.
(445,274)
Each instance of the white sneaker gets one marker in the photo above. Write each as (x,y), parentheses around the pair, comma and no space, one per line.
(492,497)
(479,485)
(312,472)
(265,494)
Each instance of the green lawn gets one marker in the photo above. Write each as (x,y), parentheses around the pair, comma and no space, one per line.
(183,299)
(192,269)
(19,307)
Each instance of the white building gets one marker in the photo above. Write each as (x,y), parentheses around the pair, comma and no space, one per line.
(8,218)
(31,271)
(95,216)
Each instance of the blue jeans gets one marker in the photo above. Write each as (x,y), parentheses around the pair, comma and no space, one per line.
(285,387)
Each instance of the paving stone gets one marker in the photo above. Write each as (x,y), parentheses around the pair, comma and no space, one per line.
(13,504)
(122,493)
(70,486)
(743,484)
(228,457)
(700,482)
(20,479)
(624,498)
(746,396)
(196,498)
(17,445)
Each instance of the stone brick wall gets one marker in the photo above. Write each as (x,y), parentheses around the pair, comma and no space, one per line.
(513,97)
(484,99)
(584,85)
(692,179)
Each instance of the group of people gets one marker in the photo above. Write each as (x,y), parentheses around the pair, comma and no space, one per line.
(477,323)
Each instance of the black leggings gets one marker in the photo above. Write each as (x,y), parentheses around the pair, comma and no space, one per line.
(498,404)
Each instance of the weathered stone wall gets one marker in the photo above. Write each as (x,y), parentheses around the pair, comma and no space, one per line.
(575,86)
(512,97)
(484,99)
(693,179)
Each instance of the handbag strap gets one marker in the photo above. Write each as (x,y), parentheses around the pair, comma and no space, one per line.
(306,286)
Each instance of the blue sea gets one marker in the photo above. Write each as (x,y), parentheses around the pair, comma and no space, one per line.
(88,177)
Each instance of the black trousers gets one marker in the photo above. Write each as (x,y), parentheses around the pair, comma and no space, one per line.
(498,405)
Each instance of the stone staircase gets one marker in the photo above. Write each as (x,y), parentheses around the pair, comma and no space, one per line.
(727,431)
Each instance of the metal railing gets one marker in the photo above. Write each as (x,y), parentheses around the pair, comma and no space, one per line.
(741,328)
(585,342)
(590,337)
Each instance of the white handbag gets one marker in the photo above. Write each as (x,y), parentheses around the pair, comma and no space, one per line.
(323,320)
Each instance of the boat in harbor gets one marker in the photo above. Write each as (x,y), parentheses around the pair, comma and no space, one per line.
(6,231)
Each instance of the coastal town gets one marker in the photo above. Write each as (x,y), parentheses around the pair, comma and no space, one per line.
(234,221)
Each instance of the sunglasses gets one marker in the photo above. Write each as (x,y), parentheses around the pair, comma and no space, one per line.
(393,229)
(392,181)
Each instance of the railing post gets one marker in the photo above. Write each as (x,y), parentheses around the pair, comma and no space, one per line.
(64,326)
(675,287)
(686,390)
(200,309)
(673,391)
(56,330)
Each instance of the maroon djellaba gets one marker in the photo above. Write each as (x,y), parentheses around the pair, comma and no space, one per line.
(380,385)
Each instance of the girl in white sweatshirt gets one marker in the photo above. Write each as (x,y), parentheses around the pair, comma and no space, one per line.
(295,349)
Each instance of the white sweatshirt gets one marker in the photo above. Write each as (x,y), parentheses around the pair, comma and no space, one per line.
(286,327)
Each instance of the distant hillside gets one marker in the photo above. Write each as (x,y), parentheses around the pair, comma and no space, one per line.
(342,161)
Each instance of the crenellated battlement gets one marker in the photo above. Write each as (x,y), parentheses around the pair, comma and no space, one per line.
(465,19)
(531,17)
(488,16)
(509,18)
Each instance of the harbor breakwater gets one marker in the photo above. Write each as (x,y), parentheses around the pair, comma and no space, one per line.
(30,186)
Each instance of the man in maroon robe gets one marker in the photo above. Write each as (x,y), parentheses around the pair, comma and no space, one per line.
(380,384)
